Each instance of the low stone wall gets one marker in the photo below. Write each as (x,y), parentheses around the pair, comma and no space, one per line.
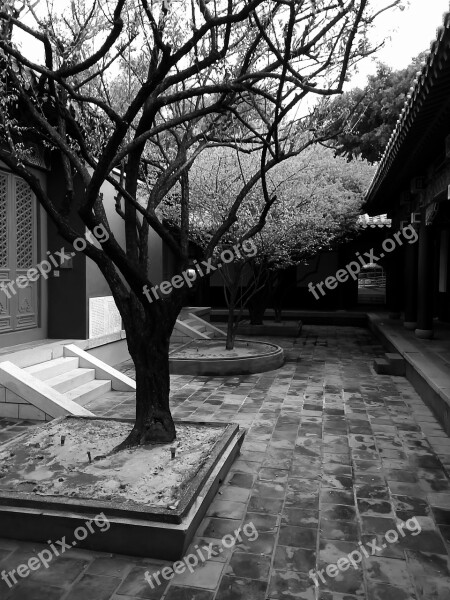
(13,406)
(246,365)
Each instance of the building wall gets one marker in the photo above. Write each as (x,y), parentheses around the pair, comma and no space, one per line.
(96,285)
(294,294)
(294,287)
(66,287)
(71,288)
(215,282)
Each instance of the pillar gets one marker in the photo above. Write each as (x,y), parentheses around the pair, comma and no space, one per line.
(411,274)
(424,328)
(444,276)
(394,278)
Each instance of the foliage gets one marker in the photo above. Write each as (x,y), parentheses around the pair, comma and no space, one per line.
(371,113)
(318,198)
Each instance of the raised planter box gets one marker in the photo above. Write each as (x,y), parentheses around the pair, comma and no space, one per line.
(266,357)
(272,329)
(308,317)
(150,531)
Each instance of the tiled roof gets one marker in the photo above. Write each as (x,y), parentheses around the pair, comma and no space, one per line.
(372,222)
(425,99)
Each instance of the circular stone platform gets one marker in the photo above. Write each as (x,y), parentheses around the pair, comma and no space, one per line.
(209,357)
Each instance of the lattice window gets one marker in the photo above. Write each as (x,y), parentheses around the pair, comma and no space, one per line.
(24,225)
(3,221)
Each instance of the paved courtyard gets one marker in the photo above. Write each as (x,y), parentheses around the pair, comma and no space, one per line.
(335,457)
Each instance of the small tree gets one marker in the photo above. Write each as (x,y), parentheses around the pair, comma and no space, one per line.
(214,57)
(317,200)
(327,194)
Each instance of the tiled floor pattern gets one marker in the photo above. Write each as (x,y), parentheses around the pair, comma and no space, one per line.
(335,456)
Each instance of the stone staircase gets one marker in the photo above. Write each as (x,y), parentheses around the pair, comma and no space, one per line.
(67,377)
(193,323)
(60,379)
(57,387)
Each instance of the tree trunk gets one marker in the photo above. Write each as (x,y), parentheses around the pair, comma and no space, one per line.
(258,303)
(148,343)
(231,328)
(257,310)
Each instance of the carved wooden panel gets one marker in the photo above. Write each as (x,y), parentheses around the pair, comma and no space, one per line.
(4,233)
(18,253)
(5,243)
(25,313)
(24,225)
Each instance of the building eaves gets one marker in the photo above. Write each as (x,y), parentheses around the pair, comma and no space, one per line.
(418,123)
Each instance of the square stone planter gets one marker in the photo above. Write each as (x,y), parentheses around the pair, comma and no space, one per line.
(150,531)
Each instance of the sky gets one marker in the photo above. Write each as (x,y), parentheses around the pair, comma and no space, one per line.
(406,32)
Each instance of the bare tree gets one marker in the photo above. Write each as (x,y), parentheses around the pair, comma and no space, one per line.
(210,58)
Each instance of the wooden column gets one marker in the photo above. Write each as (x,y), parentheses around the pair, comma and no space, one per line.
(425,282)
(411,274)
(394,277)
(444,276)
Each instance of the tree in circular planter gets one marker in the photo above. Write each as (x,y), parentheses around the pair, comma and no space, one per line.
(317,198)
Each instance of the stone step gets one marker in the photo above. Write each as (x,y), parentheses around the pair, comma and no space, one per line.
(71,380)
(397,363)
(194,324)
(381,366)
(371,300)
(31,396)
(52,368)
(119,381)
(393,364)
(89,391)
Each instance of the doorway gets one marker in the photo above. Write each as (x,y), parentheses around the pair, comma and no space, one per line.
(18,253)
(372,285)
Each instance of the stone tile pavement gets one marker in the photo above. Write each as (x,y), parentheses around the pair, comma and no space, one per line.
(335,457)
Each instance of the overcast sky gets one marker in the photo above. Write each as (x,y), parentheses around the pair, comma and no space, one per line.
(408,32)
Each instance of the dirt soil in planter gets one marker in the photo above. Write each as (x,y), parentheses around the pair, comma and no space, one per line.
(145,475)
(204,349)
